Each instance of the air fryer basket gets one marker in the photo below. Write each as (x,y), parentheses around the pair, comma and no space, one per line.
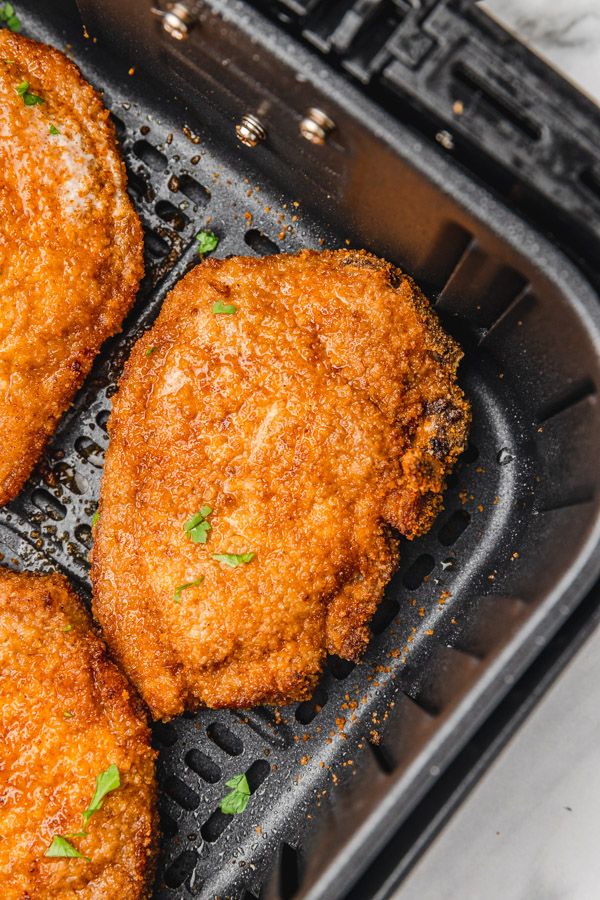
(508,559)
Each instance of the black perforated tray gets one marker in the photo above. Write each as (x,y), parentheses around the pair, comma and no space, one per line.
(508,559)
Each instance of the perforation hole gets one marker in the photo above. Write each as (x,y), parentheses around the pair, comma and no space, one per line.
(452,529)
(307,711)
(90,451)
(215,825)
(69,478)
(140,186)
(150,155)
(289,872)
(203,766)
(183,795)
(257,773)
(382,757)
(181,869)
(195,191)
(48,504)
(172,215)
(260,243)
(418,571)
(385,613)
(168,826)
(102,419)
(83,533)
(119,125)
(470,454)
(225,739)
(155,244)
(340,668)
(165,733)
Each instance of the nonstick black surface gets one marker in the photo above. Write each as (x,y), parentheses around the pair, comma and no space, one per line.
(503,565)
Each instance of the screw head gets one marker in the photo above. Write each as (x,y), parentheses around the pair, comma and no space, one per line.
(175,27)
(250,130)
(316,125)
(176,19)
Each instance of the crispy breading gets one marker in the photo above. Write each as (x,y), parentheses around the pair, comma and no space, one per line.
(321,412)
(67,714)
(70,245)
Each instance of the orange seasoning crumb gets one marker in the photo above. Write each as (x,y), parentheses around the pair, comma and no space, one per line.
(131,71)
(443,597)
(304,760)
(429,631)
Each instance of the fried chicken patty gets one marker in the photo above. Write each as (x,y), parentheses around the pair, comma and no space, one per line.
(70,245)
(278,418)
(66,717)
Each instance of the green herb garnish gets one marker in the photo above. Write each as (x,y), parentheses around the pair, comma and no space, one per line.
(237,800)
(183,587)
(68,628)
(197,527)
(106,781)
(29,98)
(234,559)
(150,351)
(60,847)
(95,518)
(207,242)
(8,15)
(68,714)
(54,130)
(223,309)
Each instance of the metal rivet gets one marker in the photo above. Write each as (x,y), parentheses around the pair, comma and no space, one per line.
(316,125)
(250,130)
(176,19)
(445,139)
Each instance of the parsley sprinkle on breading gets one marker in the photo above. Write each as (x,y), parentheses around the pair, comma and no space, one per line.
(184,587)
(198,526)
(234,559)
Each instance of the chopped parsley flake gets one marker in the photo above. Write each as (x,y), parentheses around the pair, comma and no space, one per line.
(29,98)
(60,847)
(8,15)
(237,800)
(183,587)
(226,309)
(150,351)
(54,129)
(106,781)
(234,559)
(69,714)
(197,527)
(68,628)
(95,518)
(207,242)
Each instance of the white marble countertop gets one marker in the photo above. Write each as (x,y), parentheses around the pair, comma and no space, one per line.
(566,33)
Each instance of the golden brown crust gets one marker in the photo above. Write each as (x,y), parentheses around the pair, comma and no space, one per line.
(70,246)
(67,713)
(322,411)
